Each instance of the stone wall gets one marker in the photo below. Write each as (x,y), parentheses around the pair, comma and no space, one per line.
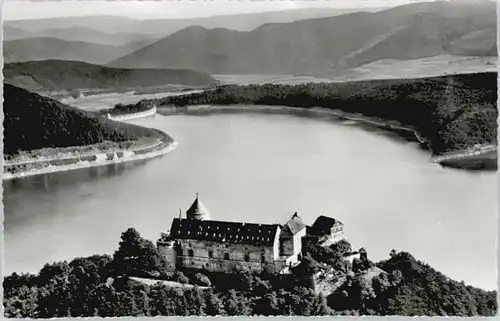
(297,245)
(168,252)
(337,234)
(227,257)
(287,244)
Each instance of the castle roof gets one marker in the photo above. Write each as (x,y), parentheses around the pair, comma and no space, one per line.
(325,223)
(295,224)
(197,209)
(224,232)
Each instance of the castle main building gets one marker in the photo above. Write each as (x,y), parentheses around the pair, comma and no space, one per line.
(198,242)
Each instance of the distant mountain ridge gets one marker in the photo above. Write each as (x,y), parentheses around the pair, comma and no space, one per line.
(164,27)
(85,34)
(11,33)
(34,49)
(325,45)
(65,38)
(56,75)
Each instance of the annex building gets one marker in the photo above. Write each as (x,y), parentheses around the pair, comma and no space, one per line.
(198,242)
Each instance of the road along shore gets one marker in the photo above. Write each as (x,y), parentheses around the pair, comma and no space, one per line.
(60,160)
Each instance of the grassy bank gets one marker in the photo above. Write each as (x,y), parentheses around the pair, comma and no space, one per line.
(449,112)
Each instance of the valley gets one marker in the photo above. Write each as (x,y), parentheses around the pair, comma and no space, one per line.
(373,117)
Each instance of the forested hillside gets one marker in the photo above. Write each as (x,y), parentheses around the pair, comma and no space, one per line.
(34,122)
(451,112)
(102,285)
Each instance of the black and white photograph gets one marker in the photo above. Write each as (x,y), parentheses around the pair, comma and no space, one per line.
(249,158)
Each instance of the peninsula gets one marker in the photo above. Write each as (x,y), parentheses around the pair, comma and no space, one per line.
(43,135)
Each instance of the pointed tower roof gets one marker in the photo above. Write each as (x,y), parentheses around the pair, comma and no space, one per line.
(295,224)
(197,211)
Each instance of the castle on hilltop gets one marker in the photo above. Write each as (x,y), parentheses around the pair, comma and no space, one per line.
(198,242)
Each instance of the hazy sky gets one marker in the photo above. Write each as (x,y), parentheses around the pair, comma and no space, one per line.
(13,10)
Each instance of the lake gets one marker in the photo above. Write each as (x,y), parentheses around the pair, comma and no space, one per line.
(262,168)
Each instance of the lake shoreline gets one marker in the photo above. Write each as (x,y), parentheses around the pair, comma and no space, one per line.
(405,132)
(392,126)
(164,145)
(168,144)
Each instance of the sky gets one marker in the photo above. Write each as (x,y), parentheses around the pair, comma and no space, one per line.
(172,9)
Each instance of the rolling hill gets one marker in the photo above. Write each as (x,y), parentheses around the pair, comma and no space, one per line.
(104,22)
(57,75)
(83,34)
(399,286)
(33,122)
(11,33)
(33,49)
(327,45)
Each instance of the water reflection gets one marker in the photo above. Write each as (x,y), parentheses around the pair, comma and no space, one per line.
(58,180)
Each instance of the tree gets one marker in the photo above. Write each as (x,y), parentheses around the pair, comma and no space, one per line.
(195,303)
(232,307)
(129,250)
(180,277)
(320,306)
(261,287)
(214,305)
(202,280)
(136,255)
(267,305)
(105,300)
(341,248)
(23,304)
(162,300)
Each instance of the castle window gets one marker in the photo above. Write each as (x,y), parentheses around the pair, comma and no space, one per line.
(226,256)
(191,253)
(210,254)
(247,257)
(263,258)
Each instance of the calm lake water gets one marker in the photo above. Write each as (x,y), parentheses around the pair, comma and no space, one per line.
(263,168)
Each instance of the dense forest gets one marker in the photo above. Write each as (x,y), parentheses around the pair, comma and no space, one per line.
(34,122)
(450,112)
(102,285)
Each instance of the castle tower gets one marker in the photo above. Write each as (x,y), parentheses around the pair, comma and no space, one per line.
(198,211)
(168,250)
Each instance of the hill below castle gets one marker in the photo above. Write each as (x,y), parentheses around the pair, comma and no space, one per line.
(108,287)
(326,46)
(58,76)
